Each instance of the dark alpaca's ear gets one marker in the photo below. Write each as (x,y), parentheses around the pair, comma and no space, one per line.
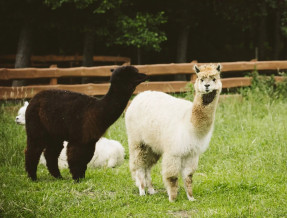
(218,68)
(196,69)
(112,70)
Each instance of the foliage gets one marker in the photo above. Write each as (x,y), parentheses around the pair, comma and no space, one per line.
(266,88)
(115,25)
(11,144)
(242,174)
(61,29)
(189,95)
(141,31)
(99,6)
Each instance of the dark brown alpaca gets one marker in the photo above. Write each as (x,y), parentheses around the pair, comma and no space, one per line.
(55,115)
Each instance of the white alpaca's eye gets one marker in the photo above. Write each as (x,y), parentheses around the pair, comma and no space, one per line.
(214,80)
(201,80)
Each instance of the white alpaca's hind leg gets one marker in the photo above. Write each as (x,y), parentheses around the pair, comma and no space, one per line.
(189,166)
(151,190)
(135,165)
(140,181)
(142,158)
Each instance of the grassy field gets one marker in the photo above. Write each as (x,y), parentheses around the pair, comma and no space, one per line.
(242,174)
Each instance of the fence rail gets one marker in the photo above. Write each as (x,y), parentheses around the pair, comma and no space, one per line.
(104,71)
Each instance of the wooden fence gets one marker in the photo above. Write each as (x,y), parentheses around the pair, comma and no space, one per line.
(53,74)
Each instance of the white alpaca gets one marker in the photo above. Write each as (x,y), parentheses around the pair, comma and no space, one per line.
(109,153)
(178,130)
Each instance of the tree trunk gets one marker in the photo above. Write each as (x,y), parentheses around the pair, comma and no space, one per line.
(139,56)
(277,36)
(24,50)
(262,37)
(181,53)
(182,45)
(88,52)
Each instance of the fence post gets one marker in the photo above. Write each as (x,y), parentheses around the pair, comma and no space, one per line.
(53,81)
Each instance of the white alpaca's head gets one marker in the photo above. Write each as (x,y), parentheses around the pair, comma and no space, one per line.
(20,119)
(208,78)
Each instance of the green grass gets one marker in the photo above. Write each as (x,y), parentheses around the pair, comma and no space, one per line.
(242,174)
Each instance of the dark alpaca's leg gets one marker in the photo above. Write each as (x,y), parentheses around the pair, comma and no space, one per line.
(79,155)
(32,155)
(36,141)
(51,154)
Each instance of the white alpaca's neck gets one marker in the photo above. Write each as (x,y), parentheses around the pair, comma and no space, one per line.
(203,111)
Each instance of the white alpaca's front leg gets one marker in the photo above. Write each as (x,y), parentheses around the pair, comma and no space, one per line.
(189,166)
(170,169)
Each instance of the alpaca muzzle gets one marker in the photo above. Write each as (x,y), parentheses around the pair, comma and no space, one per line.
(141,77)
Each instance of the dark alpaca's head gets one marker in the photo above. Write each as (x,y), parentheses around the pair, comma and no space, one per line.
(127,76)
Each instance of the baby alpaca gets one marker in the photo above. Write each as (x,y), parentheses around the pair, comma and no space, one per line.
(108,153)
(20,119)
(55,116)
(178,130)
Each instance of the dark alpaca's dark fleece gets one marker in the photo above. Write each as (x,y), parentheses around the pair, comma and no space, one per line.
(55,115)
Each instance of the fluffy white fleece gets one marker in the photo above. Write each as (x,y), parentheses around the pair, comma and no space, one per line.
(108,153)
(163,122)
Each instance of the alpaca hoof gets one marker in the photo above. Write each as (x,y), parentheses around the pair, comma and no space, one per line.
(33,178)
(142,192)
(151,191)
(172,195)
(171,199)
(59,177)
(77,180)
(191,198)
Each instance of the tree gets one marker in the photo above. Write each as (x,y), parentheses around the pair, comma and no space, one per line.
(141,32)
(279,7)
(25,16)
(90,12)
(262,18)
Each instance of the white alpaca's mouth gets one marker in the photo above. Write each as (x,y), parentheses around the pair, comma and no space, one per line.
(206,91)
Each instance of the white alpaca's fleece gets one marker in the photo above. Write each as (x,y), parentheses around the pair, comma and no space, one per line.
(108,153)
(164,124)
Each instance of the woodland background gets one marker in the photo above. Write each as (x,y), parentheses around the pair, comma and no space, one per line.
(147,31)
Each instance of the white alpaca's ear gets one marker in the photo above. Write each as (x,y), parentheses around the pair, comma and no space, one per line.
(218,68)
(26,103)
(196,69)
